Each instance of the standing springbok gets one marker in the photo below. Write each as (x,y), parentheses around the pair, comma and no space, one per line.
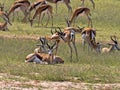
(112,47)
(88,36)
(41,58)
(68,36)
(44,9)
(19,5)
(81,11)
(36,5)
(92,1)
(66,2)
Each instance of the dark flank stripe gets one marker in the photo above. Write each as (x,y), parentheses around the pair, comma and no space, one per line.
(17,6)
(44,8)
(24,2)
(37,4)
(83,9)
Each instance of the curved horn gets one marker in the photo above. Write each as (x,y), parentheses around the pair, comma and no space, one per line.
(48,45)
(59,29)
(41,39)
(53,45)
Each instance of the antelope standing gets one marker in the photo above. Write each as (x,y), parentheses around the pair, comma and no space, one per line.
(50,58)
(36,5)
(81,11)
(112,47)
(20,5)
(88,36)
(44,9)
(68,36)
(92,1)
(66,2)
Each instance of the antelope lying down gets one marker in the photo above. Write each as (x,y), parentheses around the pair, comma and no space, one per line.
(113,46)
(45,58)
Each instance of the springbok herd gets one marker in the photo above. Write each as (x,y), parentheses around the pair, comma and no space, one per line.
(44,53)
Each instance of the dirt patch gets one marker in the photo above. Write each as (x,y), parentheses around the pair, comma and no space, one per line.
(47,85)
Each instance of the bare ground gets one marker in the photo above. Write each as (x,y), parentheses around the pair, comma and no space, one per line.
(10,82)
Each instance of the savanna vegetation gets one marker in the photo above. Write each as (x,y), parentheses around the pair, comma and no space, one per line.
(91,67)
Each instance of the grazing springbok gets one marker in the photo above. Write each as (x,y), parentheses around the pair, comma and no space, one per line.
(112,47)
(41,58)
(42,10)
(66,2)
(19,5)
(92,1)
(81,11)
(68,36)
(88,36)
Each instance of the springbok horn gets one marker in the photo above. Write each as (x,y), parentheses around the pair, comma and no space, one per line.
(59,29)
(53,45)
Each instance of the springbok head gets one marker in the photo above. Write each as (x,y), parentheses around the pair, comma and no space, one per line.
(43,43)
(51,48)
(115,42)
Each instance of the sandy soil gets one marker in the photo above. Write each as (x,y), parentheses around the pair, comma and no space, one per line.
(47,85)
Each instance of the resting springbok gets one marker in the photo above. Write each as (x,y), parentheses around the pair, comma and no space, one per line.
(66,2)
(41,58)
(81,11)
(42,10)
(19,5)
(92,1)
(112,47)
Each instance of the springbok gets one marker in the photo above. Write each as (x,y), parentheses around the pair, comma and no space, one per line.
(44,9)
(92,1)
(41,58)
(36,5)
(81,11)
(42,46)
(68,36)
(19,5)
(66,2)
(88,36)
(112,47)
